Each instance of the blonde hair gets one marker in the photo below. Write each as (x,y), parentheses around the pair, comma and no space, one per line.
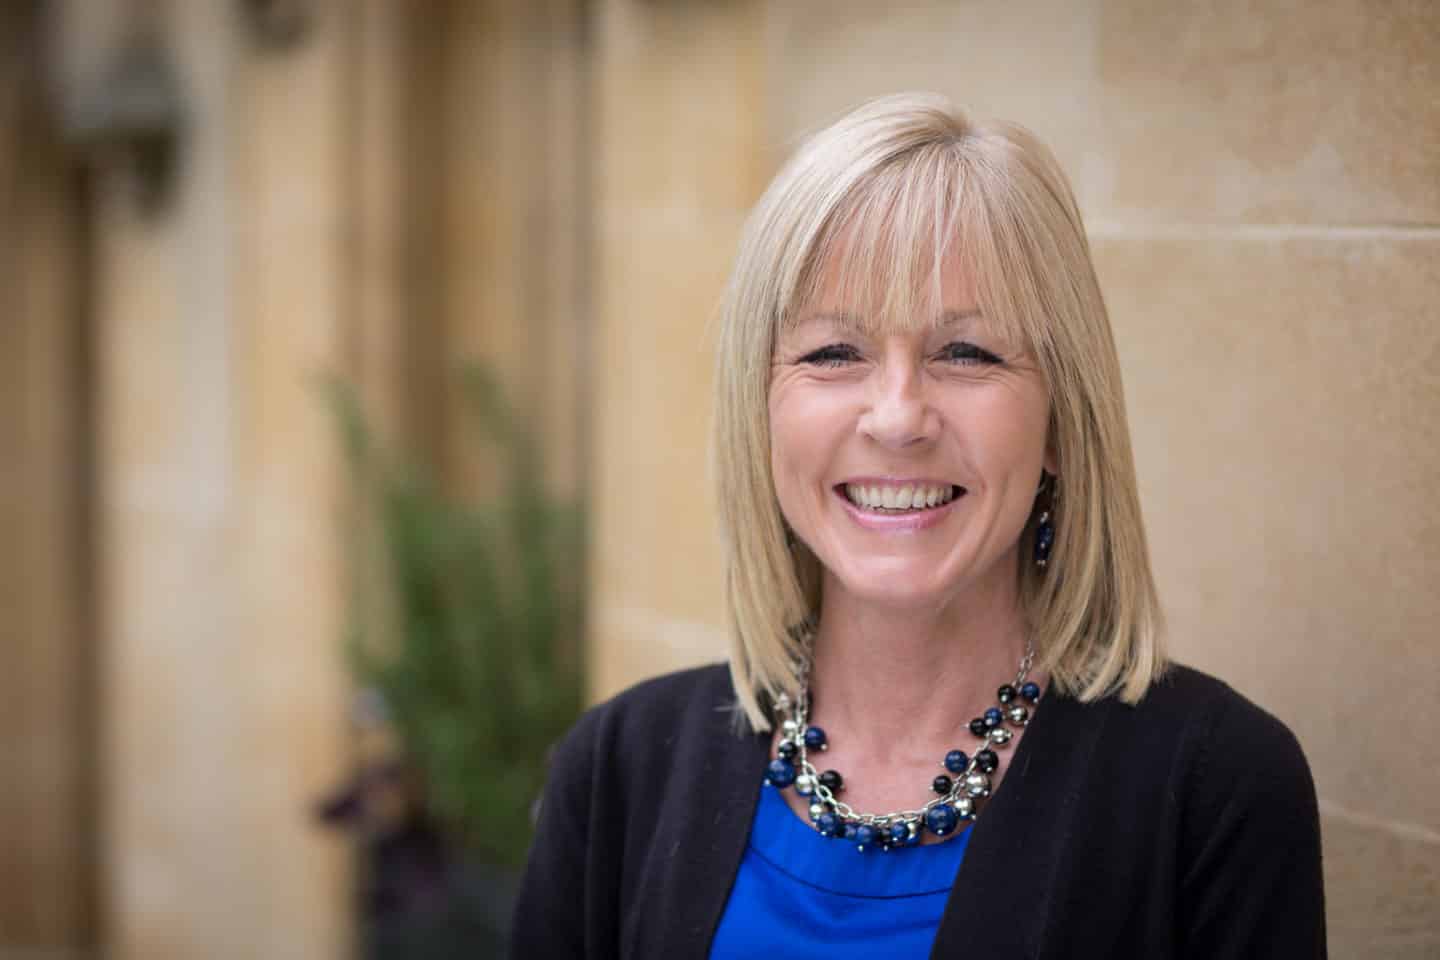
(886,191)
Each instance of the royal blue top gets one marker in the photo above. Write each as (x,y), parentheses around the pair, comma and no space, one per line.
(800,894)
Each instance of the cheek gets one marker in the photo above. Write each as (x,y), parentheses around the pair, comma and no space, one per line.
(1005,432)
(803,435)
(787,445)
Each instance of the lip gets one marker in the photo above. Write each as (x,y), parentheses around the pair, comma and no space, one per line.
(898,522)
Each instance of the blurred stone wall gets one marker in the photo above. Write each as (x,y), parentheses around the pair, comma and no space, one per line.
(1262,188)
(391,192)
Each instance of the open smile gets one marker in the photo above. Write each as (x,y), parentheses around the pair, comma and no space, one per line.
(903,506)
(893,498)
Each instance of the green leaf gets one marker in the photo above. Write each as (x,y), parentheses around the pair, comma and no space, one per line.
(466,618)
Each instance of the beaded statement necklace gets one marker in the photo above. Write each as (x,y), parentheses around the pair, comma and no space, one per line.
(958,793)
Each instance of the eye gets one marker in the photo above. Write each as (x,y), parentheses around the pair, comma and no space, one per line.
(964,352)
(832,355)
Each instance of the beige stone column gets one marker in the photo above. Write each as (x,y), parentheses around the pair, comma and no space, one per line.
(679,163)
(223,693)
(511,123)
(46,686)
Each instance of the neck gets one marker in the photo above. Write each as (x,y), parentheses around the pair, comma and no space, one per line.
(909,679)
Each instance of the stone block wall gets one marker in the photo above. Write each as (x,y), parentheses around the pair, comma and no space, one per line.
(1261,184)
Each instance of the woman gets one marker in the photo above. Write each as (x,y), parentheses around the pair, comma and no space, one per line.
(938,583)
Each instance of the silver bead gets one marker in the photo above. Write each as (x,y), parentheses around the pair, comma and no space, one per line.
(782,701)
(804,785)
(999,736)
(815,810)
(1017,715)
(976,784)
(790,728)
(965,807)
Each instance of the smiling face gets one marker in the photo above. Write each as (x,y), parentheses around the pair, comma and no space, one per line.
(906,457)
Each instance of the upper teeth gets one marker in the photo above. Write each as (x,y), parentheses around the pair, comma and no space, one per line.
(910,497)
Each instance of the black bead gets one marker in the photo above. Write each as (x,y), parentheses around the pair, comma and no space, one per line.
(787,750)
(1006,693)
(978,727)
(987,761)
(942,785)
(832,780)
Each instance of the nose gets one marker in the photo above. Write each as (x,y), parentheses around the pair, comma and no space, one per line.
(899,414)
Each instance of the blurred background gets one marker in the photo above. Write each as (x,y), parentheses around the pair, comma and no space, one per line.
(326,324)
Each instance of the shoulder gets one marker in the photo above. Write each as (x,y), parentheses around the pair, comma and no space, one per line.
(1187,703)
(655,713)
(664,700)
(671,692)
(1248,824)
(1200,755)
(1226,728)
(1192,742)
(1244,756)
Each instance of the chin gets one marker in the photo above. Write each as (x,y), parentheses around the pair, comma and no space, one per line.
(906,586)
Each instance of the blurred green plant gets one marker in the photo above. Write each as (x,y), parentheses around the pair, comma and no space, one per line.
(473,638)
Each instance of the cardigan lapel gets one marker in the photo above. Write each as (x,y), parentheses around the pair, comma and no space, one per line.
(705,851)
(1000,903)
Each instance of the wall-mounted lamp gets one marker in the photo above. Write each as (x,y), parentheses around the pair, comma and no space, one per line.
(133,113)
(277,24)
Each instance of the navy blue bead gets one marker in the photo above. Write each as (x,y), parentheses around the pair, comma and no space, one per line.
(986,761)
(865,836)
(1044,540)
(780,773)
(956,761)
(814,738)
(941,819)
(993,716)
(828,824)
(848,831)
(899,834)
(1030,691)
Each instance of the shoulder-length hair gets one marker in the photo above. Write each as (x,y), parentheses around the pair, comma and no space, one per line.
(906,179)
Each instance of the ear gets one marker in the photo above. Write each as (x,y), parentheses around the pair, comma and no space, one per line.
(1051,463)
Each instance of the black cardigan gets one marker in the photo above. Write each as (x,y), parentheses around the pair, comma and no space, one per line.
(1185,826)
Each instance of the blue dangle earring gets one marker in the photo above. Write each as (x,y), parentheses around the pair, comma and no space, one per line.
(1045,523)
